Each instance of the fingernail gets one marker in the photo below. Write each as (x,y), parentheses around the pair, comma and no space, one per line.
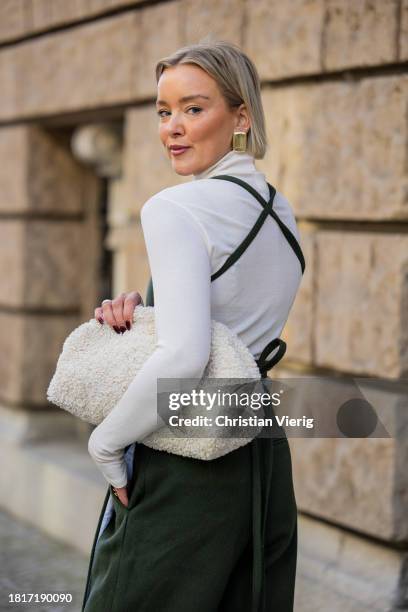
(122,329)
(116,328)
(128,325)
(100,320)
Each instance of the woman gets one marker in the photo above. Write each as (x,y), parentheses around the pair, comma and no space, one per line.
(189,535)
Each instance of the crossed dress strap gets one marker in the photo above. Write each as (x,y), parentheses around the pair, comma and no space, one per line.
(272,191)
(263,363)
(252,234)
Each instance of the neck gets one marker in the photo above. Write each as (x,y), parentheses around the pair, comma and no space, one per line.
(231,163)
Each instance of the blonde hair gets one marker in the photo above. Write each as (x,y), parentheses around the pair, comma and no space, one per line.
(237,79)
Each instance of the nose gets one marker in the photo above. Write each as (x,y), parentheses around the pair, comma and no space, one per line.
(175,124)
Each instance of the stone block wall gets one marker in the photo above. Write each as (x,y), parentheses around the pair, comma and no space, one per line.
(47,270)
(334,86)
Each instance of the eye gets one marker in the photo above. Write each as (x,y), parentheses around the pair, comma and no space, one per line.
(197,108)
(192,108)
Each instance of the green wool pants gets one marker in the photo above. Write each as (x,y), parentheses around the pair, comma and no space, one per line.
(200,536)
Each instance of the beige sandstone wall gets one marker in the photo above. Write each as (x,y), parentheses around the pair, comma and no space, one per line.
(47,267)
(335,86)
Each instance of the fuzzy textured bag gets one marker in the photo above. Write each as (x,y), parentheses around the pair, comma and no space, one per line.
(96,366)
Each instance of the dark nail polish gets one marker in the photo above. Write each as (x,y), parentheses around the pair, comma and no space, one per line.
(122,329)
(116,328)
(100,320)
(128,325)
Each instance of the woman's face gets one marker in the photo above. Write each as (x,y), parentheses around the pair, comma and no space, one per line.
(193,114)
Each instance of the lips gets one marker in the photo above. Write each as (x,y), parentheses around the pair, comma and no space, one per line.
(178,149)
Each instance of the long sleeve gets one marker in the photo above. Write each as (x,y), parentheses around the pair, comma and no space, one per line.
(179,259)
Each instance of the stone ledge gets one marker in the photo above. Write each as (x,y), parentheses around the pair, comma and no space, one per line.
(345,572)
(23,426)
(55,486)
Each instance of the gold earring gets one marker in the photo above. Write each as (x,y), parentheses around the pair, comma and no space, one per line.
(239,141)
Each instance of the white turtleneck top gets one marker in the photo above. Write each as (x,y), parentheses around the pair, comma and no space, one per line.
(190,229)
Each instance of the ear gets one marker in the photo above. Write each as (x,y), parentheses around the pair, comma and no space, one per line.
(242,119)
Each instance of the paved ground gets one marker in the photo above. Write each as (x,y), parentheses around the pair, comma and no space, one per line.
(31,562)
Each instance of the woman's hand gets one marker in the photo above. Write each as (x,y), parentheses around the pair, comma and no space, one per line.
(122,495)
(118,313)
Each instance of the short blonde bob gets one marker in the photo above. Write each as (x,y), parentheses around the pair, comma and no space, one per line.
(237,79)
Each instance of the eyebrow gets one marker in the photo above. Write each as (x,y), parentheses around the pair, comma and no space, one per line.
(185,98)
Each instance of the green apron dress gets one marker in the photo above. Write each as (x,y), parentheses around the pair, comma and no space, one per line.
(203,536)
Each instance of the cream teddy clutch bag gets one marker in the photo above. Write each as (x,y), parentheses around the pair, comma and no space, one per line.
(93,356)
